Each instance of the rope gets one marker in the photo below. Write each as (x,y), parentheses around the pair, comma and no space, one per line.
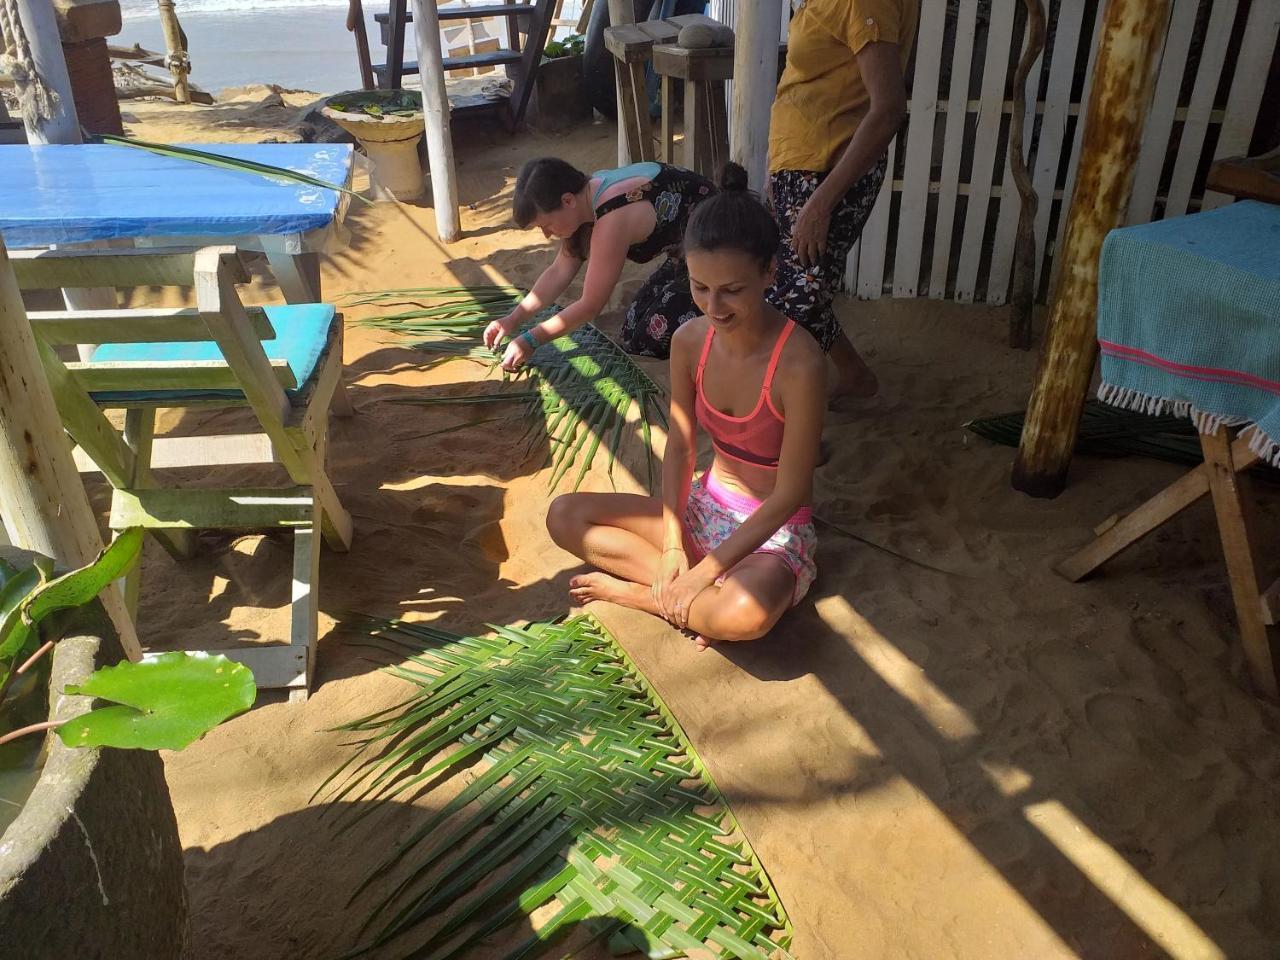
(35,99)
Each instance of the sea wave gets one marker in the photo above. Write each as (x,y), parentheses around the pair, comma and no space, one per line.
(144,9)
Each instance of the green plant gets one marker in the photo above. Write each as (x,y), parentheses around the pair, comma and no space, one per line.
(379,103)
(570,46)
(585,802)
(165,702)
(579,389)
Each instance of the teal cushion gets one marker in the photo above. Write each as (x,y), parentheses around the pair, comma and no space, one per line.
(302,330)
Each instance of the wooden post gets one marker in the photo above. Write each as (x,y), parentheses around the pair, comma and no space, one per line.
(755,84)
(622,12)
(41,27)
(1124,75)
(355,25)
(175,44)
(435,108)
(42,498)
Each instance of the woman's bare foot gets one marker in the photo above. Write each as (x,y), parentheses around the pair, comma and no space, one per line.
(586,587)
(854,379)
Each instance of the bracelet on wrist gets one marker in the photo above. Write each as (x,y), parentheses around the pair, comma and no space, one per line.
(530,340)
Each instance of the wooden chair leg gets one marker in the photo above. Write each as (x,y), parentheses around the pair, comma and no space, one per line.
(298,276)
(1231,508)
(305,624)
(340,405)
(139,436)
(1170,501)
(717,127)
(667,152)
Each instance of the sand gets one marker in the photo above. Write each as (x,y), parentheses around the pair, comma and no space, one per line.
(986,763)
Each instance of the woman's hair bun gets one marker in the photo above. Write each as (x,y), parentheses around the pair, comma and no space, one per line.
(733,178)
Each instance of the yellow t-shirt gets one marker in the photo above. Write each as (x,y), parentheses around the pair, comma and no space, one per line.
(821,98)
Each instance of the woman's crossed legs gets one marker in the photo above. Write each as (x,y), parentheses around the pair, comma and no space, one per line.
(621,535)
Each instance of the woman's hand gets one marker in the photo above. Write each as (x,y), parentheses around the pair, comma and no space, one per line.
(499,330)
(518,353)
(678,596)
(671,565)
(809,235)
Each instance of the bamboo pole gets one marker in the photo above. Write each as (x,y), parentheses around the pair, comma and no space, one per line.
(1124,74)
(40,25)
(177,61)
(755,84)
(435,109)
(42,498)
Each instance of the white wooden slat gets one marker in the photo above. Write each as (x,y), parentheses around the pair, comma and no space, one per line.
(990,111)
(1076,139)
(1160,117)
(875,237)
(919,151)
(1245,97)
(953,146)
(851,268)
(1010,200)
(1053,125)
(1196,125)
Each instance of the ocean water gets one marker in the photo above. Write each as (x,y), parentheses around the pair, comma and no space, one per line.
(298,44)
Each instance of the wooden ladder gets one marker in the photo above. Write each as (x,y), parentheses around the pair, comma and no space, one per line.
(521,59)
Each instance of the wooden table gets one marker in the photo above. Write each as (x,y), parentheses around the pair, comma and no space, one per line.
(706,122)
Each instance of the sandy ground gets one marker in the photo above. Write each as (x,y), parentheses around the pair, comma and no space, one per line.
(986,763)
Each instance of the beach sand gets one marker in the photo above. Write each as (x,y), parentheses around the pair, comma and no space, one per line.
(984,763)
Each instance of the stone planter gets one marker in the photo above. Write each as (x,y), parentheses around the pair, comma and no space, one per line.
(559,98)
(92,866)
(391,144)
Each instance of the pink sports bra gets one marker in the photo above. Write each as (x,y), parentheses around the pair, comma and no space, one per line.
(756,438)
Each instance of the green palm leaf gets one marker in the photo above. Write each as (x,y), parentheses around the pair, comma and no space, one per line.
(589,805)
(581,387)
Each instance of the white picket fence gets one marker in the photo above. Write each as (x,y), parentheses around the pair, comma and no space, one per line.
(945,221)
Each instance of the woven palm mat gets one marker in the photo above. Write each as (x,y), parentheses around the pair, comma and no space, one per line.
(588,804)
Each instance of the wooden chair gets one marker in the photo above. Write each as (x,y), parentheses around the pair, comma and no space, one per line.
(284,362)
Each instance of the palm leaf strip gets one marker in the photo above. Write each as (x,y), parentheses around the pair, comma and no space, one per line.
(583,384)
(588,805)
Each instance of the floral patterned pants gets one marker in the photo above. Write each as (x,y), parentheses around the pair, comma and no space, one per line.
(801,293)
(662,305)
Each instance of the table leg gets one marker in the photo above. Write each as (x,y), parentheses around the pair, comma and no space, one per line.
(298,275)
(667,153)
(1231,508)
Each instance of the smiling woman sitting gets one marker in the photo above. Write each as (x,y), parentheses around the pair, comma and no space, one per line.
(726,554)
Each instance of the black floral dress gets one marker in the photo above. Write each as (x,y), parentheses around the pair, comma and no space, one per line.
(664,302)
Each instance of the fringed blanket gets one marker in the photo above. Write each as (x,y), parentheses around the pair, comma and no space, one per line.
(1189,320)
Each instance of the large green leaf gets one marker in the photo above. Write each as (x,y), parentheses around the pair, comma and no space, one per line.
(588,805)
(164,703)
(15,631)
(80,586)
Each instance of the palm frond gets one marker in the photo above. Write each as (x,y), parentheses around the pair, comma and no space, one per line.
(230,163)
(589,804)
(583,384)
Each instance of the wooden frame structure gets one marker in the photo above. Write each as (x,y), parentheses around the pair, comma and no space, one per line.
(294,417)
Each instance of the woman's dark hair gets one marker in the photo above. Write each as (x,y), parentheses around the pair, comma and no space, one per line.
(541,185)
(733,219)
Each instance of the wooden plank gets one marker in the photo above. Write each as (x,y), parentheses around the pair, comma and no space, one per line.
(1053,123)
(304,602)
(178,453)
(274,666)
(1231,506)
(919,151)
(990,111)
(875,237)
(627,42)
(1128,530)
(1164,104)
(953,147)
(1245,97)
(243,508)
(489,58)
(53,269)
(297,274)
(1074,161)
(701,65)
(155,325)
(660,31)
(1255,178)
(1196,126)
(667,144)
(87,424)
(1010,202)
(148,375)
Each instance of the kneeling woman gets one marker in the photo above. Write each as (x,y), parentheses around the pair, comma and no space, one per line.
(632,213)
(726,554)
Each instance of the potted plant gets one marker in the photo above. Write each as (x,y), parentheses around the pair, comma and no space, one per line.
(559,91)
(90,863)
(388,124)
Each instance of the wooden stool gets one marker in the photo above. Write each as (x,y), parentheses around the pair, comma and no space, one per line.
(632,46)
(706,122)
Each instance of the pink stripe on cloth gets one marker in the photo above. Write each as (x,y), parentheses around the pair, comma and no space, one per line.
(740,502)
(1206,374)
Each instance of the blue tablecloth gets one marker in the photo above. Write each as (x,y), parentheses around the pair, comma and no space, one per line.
(74,194)
(1189,320)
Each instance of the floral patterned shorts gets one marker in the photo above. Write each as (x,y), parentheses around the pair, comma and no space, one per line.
(801,293)
(714,512)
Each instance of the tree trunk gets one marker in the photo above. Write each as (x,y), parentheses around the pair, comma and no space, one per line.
(435,108)
(1023,296)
